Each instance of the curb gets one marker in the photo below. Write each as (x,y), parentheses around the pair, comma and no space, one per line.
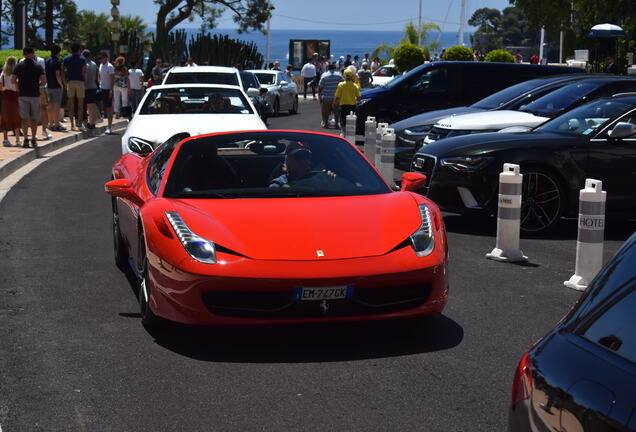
(14,163)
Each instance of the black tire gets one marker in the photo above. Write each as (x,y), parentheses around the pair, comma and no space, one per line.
(148,319)
(542,202)
(294,108)
(120,251)
(276,107)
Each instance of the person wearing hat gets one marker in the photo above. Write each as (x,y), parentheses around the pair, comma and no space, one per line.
(347,94)
(297,166)
(276,65)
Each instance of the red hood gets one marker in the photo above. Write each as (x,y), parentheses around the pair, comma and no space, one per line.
(297,228)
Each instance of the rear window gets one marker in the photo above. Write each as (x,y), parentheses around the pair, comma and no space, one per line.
(266,78)
(506,95)
(195,100)
(560,100)
(201,78)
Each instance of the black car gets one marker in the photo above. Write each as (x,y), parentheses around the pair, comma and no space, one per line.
(440,85)
(410,132)
(595,140)
(581,376)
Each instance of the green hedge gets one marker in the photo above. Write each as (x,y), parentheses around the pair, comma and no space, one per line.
(500,55)
(460,53)
(408,56)
(18,54)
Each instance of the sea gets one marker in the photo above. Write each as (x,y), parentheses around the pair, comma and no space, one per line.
(342,42)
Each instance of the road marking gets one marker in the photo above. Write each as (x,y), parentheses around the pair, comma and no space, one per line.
(8,182)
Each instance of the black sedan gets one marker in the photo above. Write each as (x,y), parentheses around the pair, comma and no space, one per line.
(410,132)
(596,140)
(581,376)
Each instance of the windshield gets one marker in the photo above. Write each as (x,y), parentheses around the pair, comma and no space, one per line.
(506,95)
(386,71)
(270,165)
(559,100)
(195,100)
(266,78)
(587,118)
(228,78)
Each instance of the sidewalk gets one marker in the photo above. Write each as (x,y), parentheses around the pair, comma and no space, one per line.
(13,158)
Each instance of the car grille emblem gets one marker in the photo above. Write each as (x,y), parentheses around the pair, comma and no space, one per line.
(324,306)
(320,253)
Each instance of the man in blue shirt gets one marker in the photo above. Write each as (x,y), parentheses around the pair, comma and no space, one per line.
(76,73)
(327,92)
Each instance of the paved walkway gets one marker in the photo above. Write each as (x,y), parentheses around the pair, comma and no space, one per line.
(14,157)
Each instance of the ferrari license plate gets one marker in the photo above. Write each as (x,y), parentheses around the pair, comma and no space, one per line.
(324,293)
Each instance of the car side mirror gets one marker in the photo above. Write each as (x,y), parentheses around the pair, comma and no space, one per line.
(412,181)
(263,90)
(122,188)
(623,130)
(283,83)
(253,92)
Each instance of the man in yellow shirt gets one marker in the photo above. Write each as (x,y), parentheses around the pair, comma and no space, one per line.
(347,94)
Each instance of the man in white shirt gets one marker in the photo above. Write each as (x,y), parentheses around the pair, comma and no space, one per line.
(136,77)
(106,80)
(308,72)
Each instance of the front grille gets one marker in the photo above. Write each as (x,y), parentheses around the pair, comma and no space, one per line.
(424,164)
(437,133)
(282,304)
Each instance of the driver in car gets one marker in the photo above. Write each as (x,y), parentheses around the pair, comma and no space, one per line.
(297,166)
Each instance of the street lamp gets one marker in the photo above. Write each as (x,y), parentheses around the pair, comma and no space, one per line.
(115,26)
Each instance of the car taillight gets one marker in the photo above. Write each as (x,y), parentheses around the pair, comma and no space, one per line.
(522,383)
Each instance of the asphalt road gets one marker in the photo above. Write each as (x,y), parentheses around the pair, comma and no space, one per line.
(74,356)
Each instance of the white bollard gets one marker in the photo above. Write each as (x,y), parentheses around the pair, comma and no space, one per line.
(589,243)
(369,139)
(350,128)
(508,216)
(379,131)
(387,156)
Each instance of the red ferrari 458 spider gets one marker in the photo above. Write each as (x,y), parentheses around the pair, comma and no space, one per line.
(265,227)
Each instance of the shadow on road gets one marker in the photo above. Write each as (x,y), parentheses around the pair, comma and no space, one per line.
(311,343)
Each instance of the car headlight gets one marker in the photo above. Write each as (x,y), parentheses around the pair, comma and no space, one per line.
(465,163)
(140,145)
(423,240)
(199,248)
(416,130)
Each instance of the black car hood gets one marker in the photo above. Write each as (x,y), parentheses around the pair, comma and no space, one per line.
(477,144)
(372,92)
(431,117)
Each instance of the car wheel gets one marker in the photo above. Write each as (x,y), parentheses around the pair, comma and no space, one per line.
(542,201)
(294,108)
(276,106)
(148,318)
(121,253)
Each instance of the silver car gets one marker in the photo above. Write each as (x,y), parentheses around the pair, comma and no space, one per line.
(282,92)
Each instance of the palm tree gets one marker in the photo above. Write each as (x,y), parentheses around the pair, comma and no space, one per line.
(410,36)
(94,30)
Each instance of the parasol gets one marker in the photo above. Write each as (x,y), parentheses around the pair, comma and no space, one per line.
(606,31)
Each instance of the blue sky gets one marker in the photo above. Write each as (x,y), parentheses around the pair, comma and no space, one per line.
(330,14)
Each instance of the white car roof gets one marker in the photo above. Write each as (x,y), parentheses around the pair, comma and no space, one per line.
(273,72)
(172,86)
(190,69)
(490,120)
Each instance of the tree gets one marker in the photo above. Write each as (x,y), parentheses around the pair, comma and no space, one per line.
(408,56)
(47,14)
(500,56)
(411,36)
(457,52)
(93,31)
(248,14)
(486,37)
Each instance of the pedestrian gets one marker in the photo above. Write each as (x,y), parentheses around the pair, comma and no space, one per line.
(518,56)
(121,86)
(190,62)
(308,72)
(316,61)
(43,100)
(354,71)
(327,93)
(340,65)
(375,64)
(29,76)
(136,77)
(91,86)
(611,67)
(366,59)
(10,120)
(356,62)
(75,68)
(364,76)
(250,65)
(347,62)
(55,84)
(534,59)
(106,78)
(288,72)
(157,72)
(276,66)
(347,94)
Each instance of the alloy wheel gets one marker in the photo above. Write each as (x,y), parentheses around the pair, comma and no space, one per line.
(541,202)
